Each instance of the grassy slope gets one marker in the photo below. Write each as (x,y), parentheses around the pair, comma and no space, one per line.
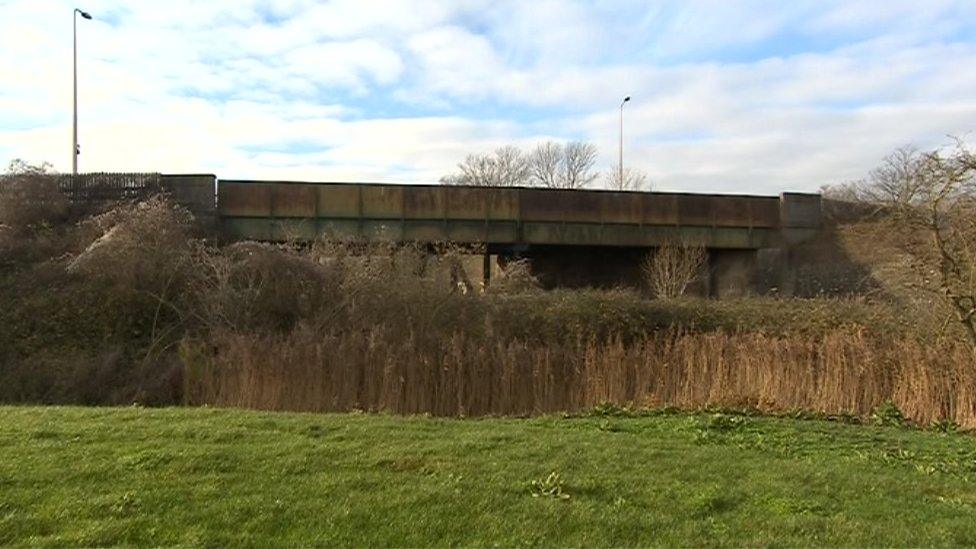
(73,476)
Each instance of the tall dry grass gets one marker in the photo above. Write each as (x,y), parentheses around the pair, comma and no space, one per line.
(838,373)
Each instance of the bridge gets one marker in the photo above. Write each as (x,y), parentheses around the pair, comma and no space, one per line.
(572,237)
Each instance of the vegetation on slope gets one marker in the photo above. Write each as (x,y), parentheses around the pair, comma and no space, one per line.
(129,303)
(96,307)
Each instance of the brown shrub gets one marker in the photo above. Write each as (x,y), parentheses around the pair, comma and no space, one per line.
(252,287)
(30,198)
(144,246)
(107,375)
(671,268)
(516,277)
(91,313)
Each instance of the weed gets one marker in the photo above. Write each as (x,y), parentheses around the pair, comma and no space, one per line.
(125,505)
(455,482)
(315,431)
(888,414)
(609,409)
(958,501)
(716,427)
(724,423)
(945,426)
(893,455)
(712,500)
(550,486)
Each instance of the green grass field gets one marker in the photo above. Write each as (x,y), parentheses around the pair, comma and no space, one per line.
(131,476)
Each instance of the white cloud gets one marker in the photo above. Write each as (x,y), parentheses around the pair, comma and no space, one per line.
(746,96)
(455,62)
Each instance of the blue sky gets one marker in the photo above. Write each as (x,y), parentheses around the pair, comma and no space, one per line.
(747,96)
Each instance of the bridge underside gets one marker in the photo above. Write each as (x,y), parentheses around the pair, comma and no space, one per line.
(726,273)
(498,233)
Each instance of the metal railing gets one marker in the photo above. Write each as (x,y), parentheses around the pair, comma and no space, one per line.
(109,186)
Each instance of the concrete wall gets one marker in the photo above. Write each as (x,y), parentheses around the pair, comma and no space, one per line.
(801,220)
(801,217)
(197,192)
(732,273)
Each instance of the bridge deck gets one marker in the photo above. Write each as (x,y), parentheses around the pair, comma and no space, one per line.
(279,210)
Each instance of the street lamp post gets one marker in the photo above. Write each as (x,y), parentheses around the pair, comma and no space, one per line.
(74,128)
(620,166)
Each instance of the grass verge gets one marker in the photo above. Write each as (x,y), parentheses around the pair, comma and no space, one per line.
(97,477)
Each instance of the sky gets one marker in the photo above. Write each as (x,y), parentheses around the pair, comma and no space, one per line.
(728,96)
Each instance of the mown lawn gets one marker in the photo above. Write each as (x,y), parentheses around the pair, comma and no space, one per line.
(130,476)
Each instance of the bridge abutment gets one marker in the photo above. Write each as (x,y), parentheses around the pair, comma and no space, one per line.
(732,273)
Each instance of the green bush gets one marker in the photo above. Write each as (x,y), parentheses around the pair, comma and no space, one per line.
(888,414)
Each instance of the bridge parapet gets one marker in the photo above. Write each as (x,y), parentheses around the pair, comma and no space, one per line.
(276,210)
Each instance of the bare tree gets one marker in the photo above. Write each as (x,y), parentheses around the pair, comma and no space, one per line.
(475,169)
(578,160)
(670,269)
(928,201)
(899,180)
(632,180)
(512,166)
(546,164)
(550,165)
(19,167)
(505,167)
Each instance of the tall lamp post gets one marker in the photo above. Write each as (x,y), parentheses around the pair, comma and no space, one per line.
(620,166)
(74,128)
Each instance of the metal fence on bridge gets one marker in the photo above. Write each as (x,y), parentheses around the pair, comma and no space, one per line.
(109,186)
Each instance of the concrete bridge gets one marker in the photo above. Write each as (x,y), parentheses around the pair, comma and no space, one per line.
(574,238)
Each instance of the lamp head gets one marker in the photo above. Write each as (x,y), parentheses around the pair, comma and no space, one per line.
(84,14)
(626,99)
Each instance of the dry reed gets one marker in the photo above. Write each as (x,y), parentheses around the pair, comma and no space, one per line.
(840,373)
